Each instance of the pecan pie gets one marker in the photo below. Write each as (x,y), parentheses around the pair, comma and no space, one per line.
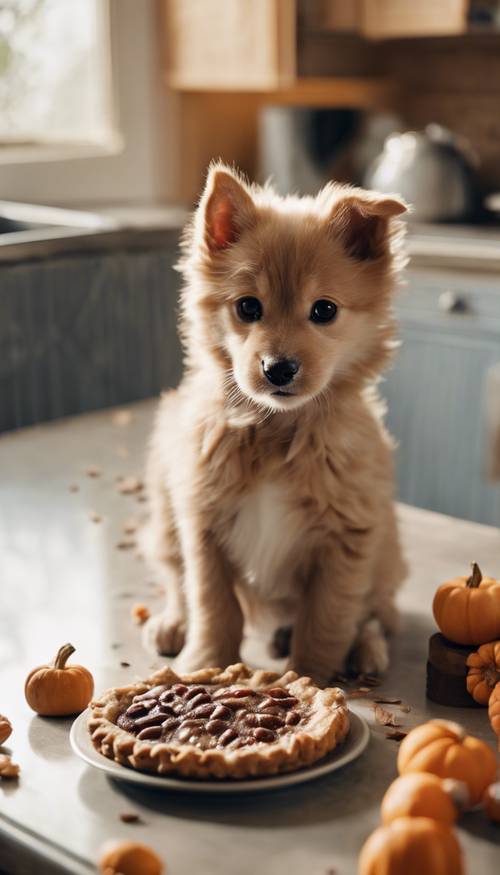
(235,723)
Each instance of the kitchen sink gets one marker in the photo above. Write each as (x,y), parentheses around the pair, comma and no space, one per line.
(25,223)
(30,231)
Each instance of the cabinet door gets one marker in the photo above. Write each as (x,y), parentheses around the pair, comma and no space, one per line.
(335,16)
(385,19)
(435,395)
(230,44)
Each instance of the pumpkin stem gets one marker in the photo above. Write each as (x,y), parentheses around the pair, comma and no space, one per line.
(451,727)
(63,654)
(458,793)
(491,676)
(476,577)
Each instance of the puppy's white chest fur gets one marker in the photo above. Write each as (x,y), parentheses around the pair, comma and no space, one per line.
(264,536)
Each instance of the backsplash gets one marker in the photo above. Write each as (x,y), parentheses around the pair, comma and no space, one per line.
(455,82)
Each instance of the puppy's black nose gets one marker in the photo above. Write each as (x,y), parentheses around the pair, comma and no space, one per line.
(280,372)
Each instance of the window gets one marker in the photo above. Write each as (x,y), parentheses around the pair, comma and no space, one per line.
(84,117)
(55,81)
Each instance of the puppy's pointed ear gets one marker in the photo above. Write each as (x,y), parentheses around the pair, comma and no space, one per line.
(362,223)
(227,210)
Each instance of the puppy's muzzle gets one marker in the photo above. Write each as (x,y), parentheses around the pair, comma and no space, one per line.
(280,372)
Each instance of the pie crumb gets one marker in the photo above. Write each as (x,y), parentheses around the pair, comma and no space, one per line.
(385,717)
(8,769)
(121,418)
(140,613)
(94,517)
(396,734)
(5,729)
(93,471)
(130,486)
(129,817)
(126,544)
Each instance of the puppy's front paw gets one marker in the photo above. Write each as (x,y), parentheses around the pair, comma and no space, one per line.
(319,675)
(370,654)
(196,656)
(193,660)
(162,634)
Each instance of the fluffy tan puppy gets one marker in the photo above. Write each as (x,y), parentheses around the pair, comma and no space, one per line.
(270,473)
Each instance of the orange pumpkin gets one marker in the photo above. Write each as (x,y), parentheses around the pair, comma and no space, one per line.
(484,671)
(129,858)
(420,794)
(467,609)
(491,802)
(413,846)
(494,712)
(443,749)
(58,690)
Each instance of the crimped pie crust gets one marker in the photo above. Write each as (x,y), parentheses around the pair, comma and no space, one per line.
(324,724)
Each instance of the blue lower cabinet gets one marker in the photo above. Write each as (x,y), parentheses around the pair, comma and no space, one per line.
(437,406)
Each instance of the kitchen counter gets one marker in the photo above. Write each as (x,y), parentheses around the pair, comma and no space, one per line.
(62,233)
(64,579)
(145,226)
(458,247)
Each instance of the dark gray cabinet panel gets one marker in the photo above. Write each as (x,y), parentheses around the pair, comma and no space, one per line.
(435,394)
(84,332)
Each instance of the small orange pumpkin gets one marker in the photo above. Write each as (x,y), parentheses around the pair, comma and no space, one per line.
(413,846)
(484,671)
(129,858)
(58,690)
(491,802)
(494,712)
(420,794)
(467,609)
(443,749)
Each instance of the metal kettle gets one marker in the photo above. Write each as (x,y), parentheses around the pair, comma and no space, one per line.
(433,171)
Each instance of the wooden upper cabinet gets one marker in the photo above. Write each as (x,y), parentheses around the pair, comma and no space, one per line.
(252,45)
(337,16)
(230,45)
(386,19)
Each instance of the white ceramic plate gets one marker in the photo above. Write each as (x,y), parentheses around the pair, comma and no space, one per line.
(353,747)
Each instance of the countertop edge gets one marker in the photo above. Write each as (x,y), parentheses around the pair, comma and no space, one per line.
(19,845)
(145,227)
(90,243)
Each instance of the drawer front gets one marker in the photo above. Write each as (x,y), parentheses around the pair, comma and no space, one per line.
(451,300)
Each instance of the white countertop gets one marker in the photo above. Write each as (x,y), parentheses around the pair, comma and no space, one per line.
(455,246)
(62,579)
(460,247)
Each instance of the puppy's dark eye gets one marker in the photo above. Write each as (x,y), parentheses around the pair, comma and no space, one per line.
(323,311)
(249,309)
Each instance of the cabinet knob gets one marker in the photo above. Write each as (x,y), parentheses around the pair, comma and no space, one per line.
(452,302)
